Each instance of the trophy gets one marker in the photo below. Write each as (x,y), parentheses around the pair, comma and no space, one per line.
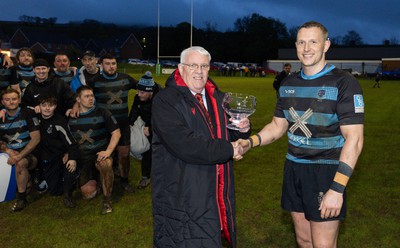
(238,106)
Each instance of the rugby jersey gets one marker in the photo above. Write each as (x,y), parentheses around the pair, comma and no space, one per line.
(315,108)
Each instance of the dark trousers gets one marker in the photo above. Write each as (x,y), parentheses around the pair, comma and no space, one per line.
(59,180)
(146,163)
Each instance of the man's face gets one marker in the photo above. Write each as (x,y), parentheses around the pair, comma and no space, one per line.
(25,58)
(109,66)
(311,46)
(41,72)
(11,101)
(61,62)
(47,109)
(144,95)
(287,68)
(195,78)
(86,99)
(89,62)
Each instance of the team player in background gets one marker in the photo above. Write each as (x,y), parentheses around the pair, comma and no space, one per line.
(111,90)
(321,109)
(97,134)
(22,72)
(58,151)
(20,134)
(63,69)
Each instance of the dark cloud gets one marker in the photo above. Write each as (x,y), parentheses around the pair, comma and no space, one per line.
(373,20)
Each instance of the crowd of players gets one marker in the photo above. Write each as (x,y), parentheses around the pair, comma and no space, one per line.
(66,128)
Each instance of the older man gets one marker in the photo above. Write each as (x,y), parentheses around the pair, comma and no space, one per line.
(193,190)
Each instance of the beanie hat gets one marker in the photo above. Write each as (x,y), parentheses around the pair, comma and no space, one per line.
(146,83)
(41,62)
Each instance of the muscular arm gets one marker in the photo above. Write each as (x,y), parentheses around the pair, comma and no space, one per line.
(354,139)
(271,132)
(115,136)
(35,139)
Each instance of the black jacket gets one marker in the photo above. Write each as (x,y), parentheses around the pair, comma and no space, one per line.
(51,86)
(192,170)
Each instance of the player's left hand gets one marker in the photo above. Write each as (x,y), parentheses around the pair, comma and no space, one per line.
(331,204)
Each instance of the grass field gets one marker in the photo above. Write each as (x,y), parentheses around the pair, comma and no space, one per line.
(373,218)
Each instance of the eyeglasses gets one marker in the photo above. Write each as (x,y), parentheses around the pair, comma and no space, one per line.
(193,67)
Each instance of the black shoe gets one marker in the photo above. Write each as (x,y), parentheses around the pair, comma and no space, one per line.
(19,205)
(128,188)
(68,202)
(107,207)
(144,183)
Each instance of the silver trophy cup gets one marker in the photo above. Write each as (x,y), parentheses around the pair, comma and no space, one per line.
(238,106)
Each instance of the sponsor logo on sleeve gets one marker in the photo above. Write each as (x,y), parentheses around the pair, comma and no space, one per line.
(358,104)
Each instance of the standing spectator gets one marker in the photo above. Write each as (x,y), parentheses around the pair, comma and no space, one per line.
(192,170)
(97,134)
(111,90)
(279,78)
(22,73)
(378,79)
(63,69)
(58,151)
(20,132)
(141,106)
(44,84)
(322,110)
(89,70)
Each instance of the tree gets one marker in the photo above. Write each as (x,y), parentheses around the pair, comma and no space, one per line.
(352,38)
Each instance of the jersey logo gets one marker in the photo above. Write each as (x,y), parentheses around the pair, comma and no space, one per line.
(85,136)
(358,104)
(13,138)
(115,97)
(321,94)
(300,121)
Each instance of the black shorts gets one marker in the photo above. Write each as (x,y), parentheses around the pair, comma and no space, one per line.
(304,186)
(125,139)
(88,169)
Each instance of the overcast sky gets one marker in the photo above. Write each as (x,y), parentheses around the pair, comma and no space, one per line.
(374,20)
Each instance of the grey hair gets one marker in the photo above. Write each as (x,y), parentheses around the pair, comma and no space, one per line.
(198,49)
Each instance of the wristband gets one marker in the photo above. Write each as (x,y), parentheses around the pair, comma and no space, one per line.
(255,142)
(342,177)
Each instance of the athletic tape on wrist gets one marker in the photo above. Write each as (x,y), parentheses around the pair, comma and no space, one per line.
(255,142)
(342,177)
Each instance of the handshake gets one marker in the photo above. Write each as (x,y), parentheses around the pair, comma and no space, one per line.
(241,146)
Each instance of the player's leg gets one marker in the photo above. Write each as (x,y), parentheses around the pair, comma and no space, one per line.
(325,234)
(302,229)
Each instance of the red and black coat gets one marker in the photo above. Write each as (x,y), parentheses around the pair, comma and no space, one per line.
(192,170)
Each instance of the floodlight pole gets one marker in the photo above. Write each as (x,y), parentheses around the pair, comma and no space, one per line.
(191,23)
(158,66)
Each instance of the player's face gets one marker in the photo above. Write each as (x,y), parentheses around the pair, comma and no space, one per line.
(311,47)
(11,101)
(89,63)
(61,62)
(86,99)
(25,58)
(41,73)
(47,109)
(144,95)
(195,78)
(109,66)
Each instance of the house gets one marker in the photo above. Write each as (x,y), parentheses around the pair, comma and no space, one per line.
(40,40)
(123,46)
